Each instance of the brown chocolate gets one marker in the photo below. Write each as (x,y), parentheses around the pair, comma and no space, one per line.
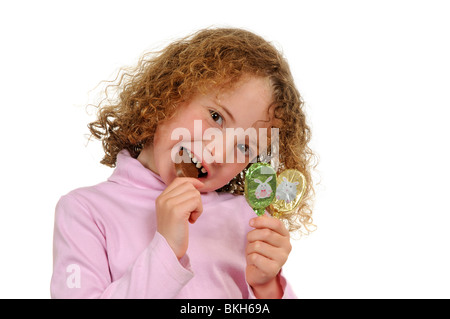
(185,168)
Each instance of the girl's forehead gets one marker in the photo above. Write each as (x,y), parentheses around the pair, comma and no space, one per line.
(247,104)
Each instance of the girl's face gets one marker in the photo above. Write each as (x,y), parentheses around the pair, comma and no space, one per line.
(216,128)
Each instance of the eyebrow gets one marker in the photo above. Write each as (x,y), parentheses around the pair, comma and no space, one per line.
(224,108)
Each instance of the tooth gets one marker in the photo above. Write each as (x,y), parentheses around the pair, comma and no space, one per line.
(194,159)
(203,170)
(190,154)
(198,165)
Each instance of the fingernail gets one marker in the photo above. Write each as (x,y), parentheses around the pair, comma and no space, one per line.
(252,222)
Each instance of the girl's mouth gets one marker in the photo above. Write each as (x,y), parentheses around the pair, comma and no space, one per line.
(191,167)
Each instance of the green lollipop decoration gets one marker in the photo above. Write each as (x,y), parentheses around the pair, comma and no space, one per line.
(263,188)
(260,186)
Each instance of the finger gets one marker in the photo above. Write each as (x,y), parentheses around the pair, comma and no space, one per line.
(180,180)
(186,201)
(195,215)
(184,187)
(268,266)
(181,206)
(271,223)
(266,235)
(171,195)
(263,249)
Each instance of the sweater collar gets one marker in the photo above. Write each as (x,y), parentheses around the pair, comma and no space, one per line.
(130,172)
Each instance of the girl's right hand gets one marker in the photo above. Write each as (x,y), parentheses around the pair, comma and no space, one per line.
(177,205)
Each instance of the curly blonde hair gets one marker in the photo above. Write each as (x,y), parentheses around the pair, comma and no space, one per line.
(216,57)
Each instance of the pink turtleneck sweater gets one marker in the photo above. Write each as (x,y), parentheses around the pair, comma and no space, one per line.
(106,244)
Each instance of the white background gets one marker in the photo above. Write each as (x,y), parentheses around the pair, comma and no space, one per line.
(375,76)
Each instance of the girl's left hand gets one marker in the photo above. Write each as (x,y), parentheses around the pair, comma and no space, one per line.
(267,250)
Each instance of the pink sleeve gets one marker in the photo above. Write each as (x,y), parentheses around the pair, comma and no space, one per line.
(80,262)
(288,293)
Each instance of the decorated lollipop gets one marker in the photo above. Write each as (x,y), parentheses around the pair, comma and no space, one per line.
(263,189)
(290,189)
(260,185)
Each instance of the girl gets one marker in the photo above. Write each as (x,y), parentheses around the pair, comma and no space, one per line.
(149,233)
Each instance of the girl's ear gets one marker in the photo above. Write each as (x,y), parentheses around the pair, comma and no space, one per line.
(258,181)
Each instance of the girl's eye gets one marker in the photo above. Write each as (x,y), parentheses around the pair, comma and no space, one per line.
(216,117)
(245,149)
